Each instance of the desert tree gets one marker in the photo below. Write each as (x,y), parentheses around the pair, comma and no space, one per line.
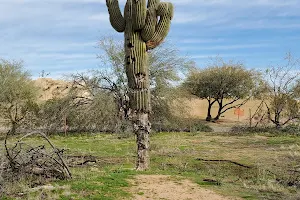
(198,83)
(282,91)
(166,67)
(73,112)
(18,93)
(110,78)
(222,81)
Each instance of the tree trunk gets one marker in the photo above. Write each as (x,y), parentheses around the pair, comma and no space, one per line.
(277,121)
(142,131)
(13,128)
(217,117)
(278,125)
(219,110)
(208,117)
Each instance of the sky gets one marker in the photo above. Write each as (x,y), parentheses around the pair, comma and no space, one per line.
(60,36)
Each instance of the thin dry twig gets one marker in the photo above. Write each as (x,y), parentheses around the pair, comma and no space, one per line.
(229,161)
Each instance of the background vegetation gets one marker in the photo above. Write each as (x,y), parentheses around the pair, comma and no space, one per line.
(88,121)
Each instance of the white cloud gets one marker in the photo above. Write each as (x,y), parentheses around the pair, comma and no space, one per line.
(61,56)
(211,56)
(239,3)
(40,31)
(221,13)
(103,17)
(198,40)
(226,47)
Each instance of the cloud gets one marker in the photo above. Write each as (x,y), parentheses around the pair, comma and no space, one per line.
(61,56)
(223,13)
(103,17)
(212,56)
(199,40)
(226,47)
(62,34)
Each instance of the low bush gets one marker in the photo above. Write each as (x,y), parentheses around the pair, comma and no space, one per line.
(291,129)
(181,125)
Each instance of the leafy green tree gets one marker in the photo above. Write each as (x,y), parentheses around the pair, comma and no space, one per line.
(18,93)
(222,81)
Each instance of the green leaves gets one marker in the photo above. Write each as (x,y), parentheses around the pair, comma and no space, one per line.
(220,81)
(230,80)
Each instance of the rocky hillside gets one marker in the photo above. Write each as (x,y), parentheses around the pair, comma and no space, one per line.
(50,88)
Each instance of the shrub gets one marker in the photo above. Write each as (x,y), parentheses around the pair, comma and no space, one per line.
(181,125)
(292,129)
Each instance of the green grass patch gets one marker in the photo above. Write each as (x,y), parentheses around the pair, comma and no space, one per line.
(107,184)
(176,154)
(283,140)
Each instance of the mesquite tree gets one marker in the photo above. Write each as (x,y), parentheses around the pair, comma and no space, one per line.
(18,94)
(144,27)
(281,93)
(229,85)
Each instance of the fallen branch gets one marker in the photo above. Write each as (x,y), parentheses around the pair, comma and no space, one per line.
(83,160)
(229,161)
(58,154)
(36,160)
(86,161)
(211,181)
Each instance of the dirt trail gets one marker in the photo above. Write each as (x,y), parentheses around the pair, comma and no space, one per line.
(158,187)
(220,129)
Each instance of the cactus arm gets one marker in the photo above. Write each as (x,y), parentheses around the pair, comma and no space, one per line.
(139,14)
(153,4)
(166,12)
(115,16)
(151,22)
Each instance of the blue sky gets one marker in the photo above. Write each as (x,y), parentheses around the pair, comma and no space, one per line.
(60,36)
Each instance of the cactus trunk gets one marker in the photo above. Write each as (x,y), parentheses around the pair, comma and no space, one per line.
(143,31)
(136,63)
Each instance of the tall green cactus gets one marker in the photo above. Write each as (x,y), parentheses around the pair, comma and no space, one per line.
(145,27)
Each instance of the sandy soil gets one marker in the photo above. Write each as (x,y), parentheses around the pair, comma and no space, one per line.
(158,187)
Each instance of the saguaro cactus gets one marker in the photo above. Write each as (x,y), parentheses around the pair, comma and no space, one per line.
(145,26)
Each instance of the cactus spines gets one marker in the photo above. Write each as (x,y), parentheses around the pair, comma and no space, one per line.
(151,22)
(166,12)
(146,24)
(115,16)
(139,14)
(153,3)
